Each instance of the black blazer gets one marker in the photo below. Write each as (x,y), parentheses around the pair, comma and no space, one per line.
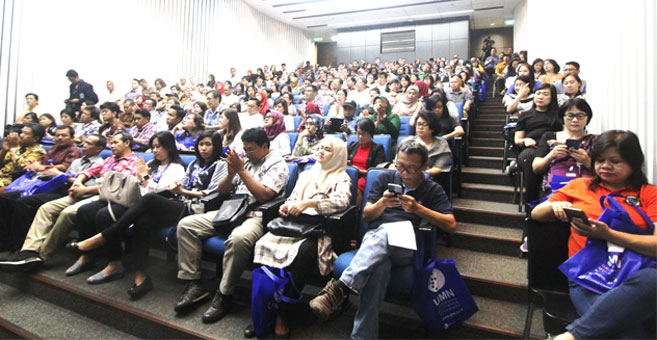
(377,154)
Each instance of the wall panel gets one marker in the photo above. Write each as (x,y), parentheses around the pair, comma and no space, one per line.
(123,39)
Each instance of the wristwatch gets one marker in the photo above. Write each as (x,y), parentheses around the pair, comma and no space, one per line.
(146,177)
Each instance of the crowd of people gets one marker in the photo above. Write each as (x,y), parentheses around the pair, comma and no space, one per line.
(239,132)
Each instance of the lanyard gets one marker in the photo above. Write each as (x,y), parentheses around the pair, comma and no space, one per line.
(158,175)
(194,174)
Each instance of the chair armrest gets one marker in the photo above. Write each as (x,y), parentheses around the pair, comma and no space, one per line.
(342,228)
(269,205)
(341,215)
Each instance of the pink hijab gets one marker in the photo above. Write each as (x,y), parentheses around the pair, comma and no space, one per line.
(277,127)
(423,87)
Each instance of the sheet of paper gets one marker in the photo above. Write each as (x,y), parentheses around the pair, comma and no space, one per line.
(401,234)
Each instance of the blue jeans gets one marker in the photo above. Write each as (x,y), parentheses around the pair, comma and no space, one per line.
(619,313)
(368,275)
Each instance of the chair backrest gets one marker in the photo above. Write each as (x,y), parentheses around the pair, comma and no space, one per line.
(105,153)
(293,169)
(459,106)
(405,128)
(293,139)
(325,109)
(548,248)
(400,139)
(187,159)
(352,172)
(297,122)
(297,97)
(147,156)
(372,174)
(385,141)
(352,138)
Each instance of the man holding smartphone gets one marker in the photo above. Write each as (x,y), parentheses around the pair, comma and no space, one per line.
(415,199)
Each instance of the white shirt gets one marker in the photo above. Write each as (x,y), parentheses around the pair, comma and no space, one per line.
(229,100)
(250,121)
(361,98)
(173,172)
(281,144)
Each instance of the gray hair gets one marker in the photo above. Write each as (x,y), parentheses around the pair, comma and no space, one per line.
(412,147)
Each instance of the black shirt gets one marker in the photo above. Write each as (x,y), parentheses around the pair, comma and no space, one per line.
(536,123)
(429,194)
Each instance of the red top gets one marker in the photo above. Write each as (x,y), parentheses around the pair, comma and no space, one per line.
(360,161)
(577,192)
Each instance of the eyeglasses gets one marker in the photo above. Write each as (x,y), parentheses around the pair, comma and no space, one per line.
(572,116)
(408,169)
(421,124)
(250,151)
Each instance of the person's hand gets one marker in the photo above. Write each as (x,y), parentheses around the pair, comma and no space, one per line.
(177,128)
(529,142)
(235,162)
(559,151)
(362,171)
(409,204)
(11,141)
(596,229)
(327,122)
(303,133)
(581,156)
(523,92)
(35,167)
(390,200)
(345,127)
(74,100)
(51,171)
(142,170)
(77,191)
(297,208)
(557,209)
(283,210)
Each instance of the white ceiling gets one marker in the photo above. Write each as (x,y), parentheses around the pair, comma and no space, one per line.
(325,17)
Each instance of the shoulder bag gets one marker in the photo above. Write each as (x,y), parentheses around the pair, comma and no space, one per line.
(303,226)
(231,213)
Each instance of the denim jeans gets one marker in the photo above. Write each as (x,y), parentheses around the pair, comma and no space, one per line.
(619,313)
(368,275)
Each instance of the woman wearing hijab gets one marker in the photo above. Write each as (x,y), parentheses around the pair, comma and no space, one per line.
(409,103)
(384,120)
(309,139)
(279,141)
(423,90)
(262,100)
(323,190)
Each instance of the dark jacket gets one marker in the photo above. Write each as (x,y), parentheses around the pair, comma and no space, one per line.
(377,154)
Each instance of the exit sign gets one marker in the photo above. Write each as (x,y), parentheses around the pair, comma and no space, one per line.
(509,22)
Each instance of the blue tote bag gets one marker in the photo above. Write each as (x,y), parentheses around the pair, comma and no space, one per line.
(598,269)
(31,184)
(440,296)
(266,295)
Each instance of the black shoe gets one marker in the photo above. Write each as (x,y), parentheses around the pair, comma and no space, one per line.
(137,292)
(220,306)
(73,246)
(249,332)
(193,293)
(23,261)
(512,169)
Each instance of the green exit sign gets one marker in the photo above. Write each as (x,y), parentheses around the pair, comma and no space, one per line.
(318,39)
(509,22)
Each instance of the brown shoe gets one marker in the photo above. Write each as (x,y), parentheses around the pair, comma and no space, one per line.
(329,300)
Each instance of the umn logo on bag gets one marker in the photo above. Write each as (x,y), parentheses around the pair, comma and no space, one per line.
(436,280)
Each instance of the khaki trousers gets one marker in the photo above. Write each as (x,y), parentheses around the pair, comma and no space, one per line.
(52,224)
(192,230)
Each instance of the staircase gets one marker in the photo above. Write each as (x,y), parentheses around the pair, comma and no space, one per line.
(486,249)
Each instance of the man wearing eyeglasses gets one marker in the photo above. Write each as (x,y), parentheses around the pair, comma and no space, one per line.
(368,274)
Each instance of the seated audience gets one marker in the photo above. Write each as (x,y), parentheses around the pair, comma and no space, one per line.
(524,69)
(532,124)
(186,137)
(111,124)
(164,171)
(30,118)
(274,125)
(369,272)
(324,190)
(360,94)
(252,117)
(336,108)
(409,103)
(153,211)
(18,212)
(68,119)
(554,156)
(19,151)
(552,74)
(428,134)
(142,130)
(89,123)
(175,115)
(449,126)
(521,99)
(572,85)
(570,67)
(31,105)
(126,117)
(230,129)
(213,114)
(48,122)
(457,94)
(263,177)
(621,312)
(385,122)
(364,153)
(308,140)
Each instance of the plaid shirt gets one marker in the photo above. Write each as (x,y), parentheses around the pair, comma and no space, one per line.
(212,118)
(271,171)
(63,155)
(280,251)
(127,164)
(17,159)
(87,129)
(143,136)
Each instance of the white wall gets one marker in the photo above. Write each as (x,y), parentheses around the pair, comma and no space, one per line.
(123,39)
(615,44)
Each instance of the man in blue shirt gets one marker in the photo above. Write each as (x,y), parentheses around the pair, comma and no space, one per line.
(79,91)
(369,272)
(213,114)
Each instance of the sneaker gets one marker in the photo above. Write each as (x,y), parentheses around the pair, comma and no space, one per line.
(24,260)
(193,293)
(219,307)
(329,300)
(524,247)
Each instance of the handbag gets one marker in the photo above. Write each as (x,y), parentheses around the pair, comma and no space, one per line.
(266,296)
(30,184)
(439,295)
(231,213)
(597,267)
(303,226)
(119,188)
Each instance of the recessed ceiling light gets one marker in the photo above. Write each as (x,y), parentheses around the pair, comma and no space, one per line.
(334,38)
(492,24)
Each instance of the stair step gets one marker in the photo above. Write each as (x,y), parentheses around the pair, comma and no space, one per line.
(491,151)
(482,141)
(486,176)
(487,238)
(487,192)
(487,134)
(499,128)
(488,213)
(490,120)
(48,321)
(487,162)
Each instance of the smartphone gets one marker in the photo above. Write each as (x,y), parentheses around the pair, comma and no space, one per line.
(395,188)
(572,144)
(576,214)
